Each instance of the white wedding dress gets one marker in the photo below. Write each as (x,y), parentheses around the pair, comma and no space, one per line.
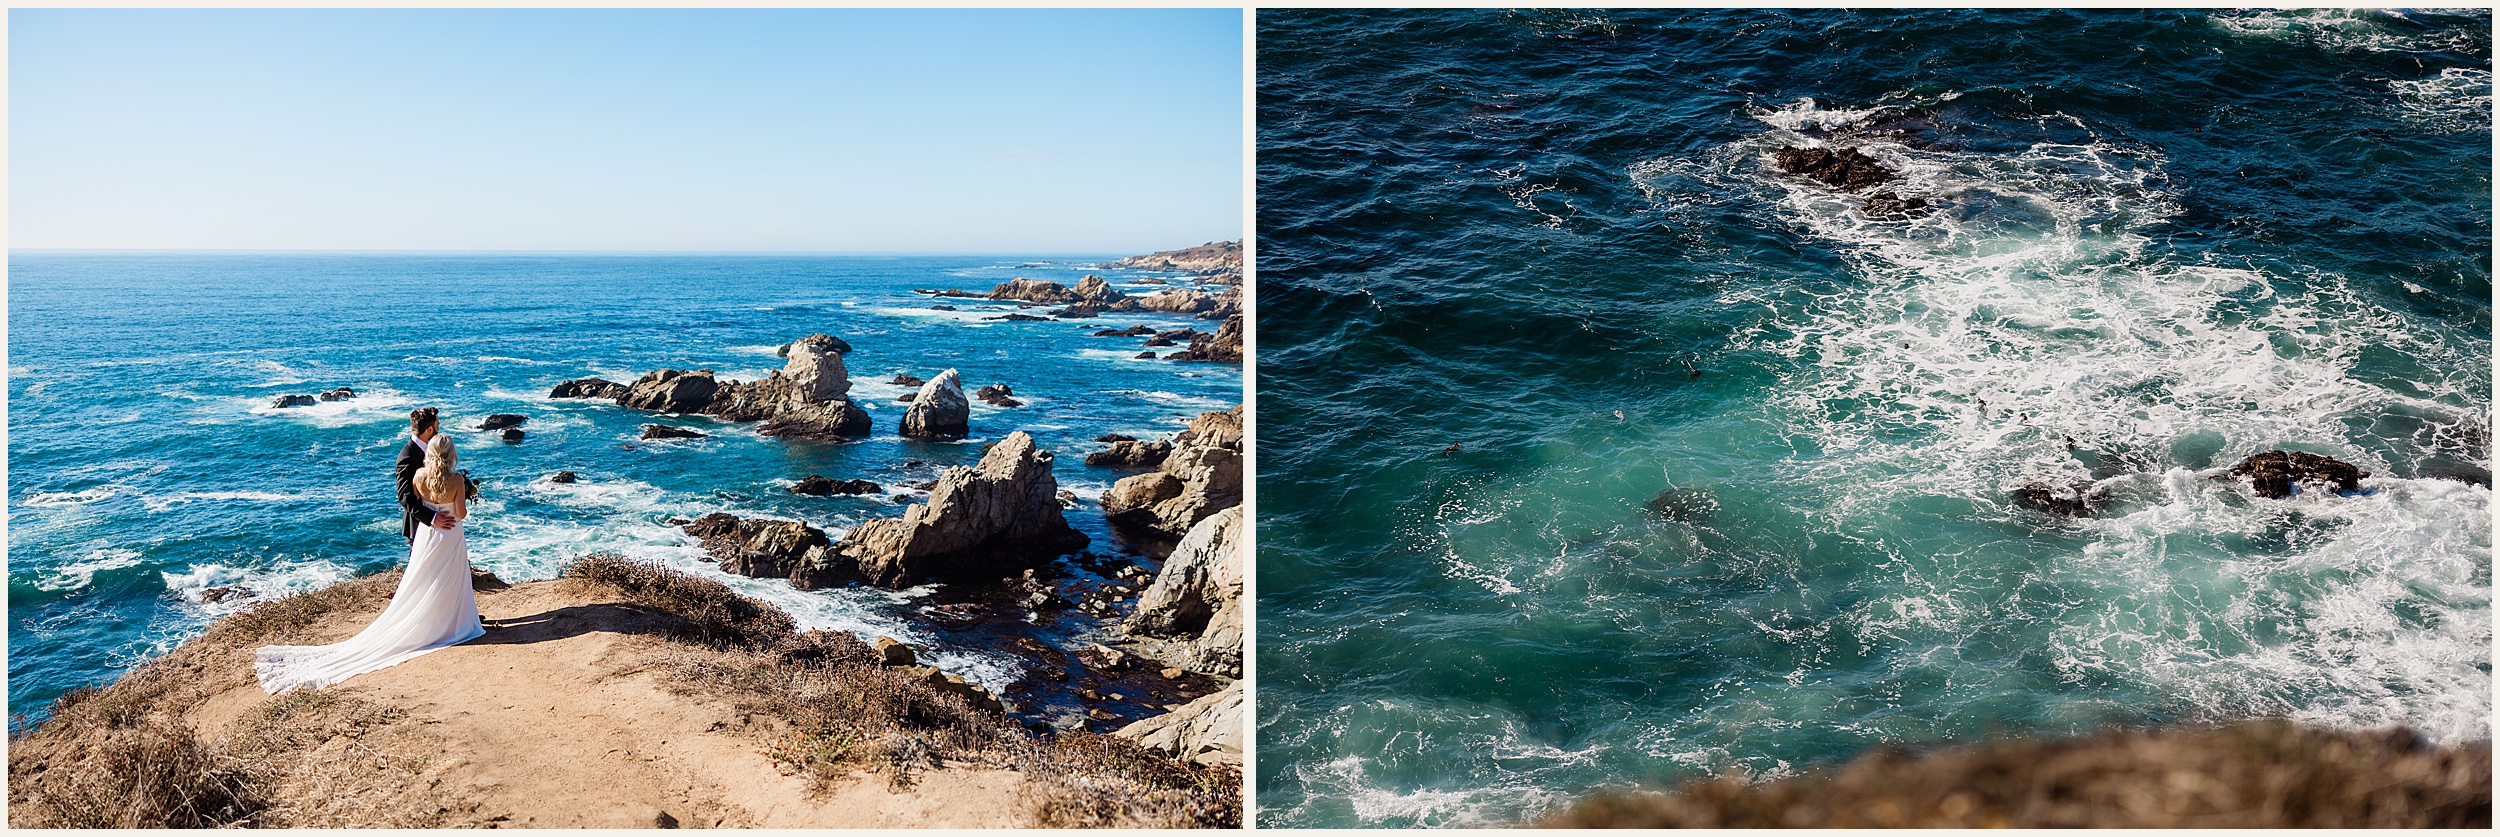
(434,608)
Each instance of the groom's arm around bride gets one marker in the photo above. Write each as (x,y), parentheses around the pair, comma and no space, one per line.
(413,511)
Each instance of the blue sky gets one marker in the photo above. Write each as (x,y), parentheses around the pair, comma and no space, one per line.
(967,131)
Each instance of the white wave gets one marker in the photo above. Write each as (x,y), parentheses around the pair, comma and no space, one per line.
(1805,113)
(49,499)
(2457,100)
(259,584)
(773,350)
(2031,310)
(522,360)
(158,504)
(79,573)
(369,406)
(1174,398)
(2335,30)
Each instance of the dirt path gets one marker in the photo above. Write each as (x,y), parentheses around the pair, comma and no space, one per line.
(552,721)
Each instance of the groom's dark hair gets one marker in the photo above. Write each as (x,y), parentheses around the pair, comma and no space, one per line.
(420,418)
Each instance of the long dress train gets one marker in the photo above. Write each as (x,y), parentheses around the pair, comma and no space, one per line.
(434,608)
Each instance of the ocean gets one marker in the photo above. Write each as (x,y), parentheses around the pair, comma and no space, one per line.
(1594,451)
(146,464)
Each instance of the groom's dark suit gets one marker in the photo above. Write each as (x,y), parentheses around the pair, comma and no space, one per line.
(413,511)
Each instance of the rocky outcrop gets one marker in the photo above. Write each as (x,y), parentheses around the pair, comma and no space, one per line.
(1130,454)
(1202,476)
(2274,473)
(906,381)
(816,366)
(500,421)
(984,520)
(340,394)
(939,411)
(671,391)
(819,343)
(1224,346)
(783,405)
(662,431)
(1211,258)
(817,486)
(997,395)
(588,388)
(513,435)
(1033,290)
(1192,614)
(286,401)
(1847,169)
(1094,290)
(1177,301)
(564,477)
(761,548)
(1205,731)
(1131,331)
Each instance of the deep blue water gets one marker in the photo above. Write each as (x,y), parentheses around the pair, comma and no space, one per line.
(2176,238)
(145,464)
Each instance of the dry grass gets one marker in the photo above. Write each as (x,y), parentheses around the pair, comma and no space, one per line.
(2259,774)
(848,714)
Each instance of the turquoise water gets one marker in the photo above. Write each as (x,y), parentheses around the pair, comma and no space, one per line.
(1555,239)
(145,464)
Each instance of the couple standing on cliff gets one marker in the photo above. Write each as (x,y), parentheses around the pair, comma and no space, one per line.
(435,607)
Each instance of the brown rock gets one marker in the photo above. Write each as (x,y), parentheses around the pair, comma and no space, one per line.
(1200,477)
(2274,473)
(1847,169)
(994,517)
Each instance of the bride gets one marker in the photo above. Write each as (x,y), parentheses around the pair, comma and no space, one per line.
(434,607)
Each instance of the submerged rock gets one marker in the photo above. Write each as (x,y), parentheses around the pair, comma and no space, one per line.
(817,486)
(513,435)
(662,431)
(564,477)
(500,421)
(2078,499)
(997,395)
(906,381)
(588,388)
(939,410)
(2273,473)
(286,401)
(1887,204)
(999,515)
(340,394)
(1847,169)
(1131,331)
(1683,505)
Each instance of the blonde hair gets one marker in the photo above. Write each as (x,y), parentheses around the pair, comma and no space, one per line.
(437,477)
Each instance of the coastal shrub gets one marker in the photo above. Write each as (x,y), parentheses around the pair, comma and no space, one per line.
(151,773)
(278,619)
(1100,781)
(713,613)
(2259,774)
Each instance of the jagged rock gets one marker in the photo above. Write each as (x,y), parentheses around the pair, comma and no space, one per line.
(671,391)
(1079,311)
(1211,258)
(1887,204)
(997,395)
(564,477)
(1195,600)
(893,652)
(1227,304)
(500,421)
(588,388)
(761,548)
(1178,301)
(816,367)
(1109,438)
(662,431)
(1206,731)
(286,401)
(1100,657)
(1224,346)
(1200,477)
(819,343)
(1034,290)
(1847,169)
(1131,454)
(1131,331)
(984,520)
(2080,499)
(906,381)
(214,595)
(1093,289)
(513,435)
(340,394)
(1144,356)
(818,486)
(939,410)
(784,406)
(2274,473)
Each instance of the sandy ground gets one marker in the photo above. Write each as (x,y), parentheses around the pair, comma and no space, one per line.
(552,721)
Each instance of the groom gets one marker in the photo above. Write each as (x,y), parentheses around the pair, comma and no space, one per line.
(413,512)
